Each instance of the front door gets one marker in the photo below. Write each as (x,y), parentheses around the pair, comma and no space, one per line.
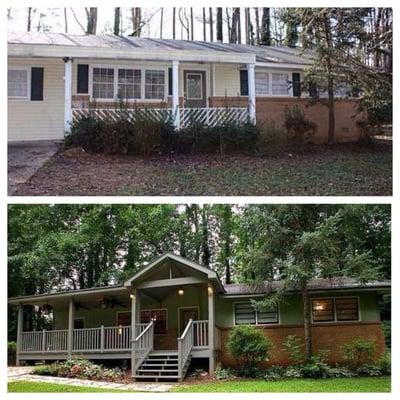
(195,89)
(184,315)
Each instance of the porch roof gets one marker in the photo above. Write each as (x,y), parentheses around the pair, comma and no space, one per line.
(33,44)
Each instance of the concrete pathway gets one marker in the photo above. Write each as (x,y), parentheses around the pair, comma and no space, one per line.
(24,159)
(24,374)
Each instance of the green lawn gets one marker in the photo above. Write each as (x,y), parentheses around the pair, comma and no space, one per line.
(376,384)
(29,386)
(319,170)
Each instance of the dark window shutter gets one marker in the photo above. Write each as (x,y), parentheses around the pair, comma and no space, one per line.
(244,84)
(37,83)
(83,78)
(169,81)
(296,84)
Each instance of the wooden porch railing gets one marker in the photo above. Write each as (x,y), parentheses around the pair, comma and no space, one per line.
(44,341)
(142,346)
(185,345)
(200,331)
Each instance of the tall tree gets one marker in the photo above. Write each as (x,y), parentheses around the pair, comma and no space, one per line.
(191,24)
(91,15)
(211,22)
(137,23)
(220,36)
(161,22)
(29,20)
(266,28)
(184,20)
(257,17)
(174,23)
(65,20)
(117,21)
(204,25)
(235,28)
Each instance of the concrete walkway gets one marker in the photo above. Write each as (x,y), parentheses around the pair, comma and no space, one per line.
(24,159)
(24,374)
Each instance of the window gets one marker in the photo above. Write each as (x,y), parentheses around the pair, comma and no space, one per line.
(346,309)
(103,83)
(124,318)
(129,83)
(159,318)
(323,310)
(280,84)
(262,83)
(18,82)
(194,84)
(245,313)
(79,323)
(154,84)
(335,309)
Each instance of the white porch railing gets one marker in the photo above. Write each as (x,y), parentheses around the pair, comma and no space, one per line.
(200,334)
(44,341)
(142,345)
(185,345)
(208,116)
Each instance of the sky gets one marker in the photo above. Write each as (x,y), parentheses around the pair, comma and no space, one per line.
(53,18)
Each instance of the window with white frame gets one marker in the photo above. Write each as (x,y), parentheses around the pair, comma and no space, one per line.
(154,84)
(280,85)
(262,83)
(245,313)
(103,83)
(129,83)
(18,83)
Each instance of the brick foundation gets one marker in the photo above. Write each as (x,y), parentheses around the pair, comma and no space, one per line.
(325,337)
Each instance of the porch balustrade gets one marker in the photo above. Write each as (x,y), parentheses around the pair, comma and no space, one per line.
(142,346)
(185,346)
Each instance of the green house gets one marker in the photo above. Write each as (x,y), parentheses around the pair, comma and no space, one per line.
(174,311)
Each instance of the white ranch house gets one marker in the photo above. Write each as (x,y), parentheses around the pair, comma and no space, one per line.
(52,78)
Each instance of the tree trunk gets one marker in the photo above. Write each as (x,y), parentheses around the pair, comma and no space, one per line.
(329,70)
(211,24)
(239,27)
(117,21)
(191,24)
(246,25)
(161,22)
(204,25)
(257,25)
(219,25)
(307,323)
(205,249)
(266,28)
(91,15)
(65,20)
(228,24)
(235,25)
(29,22)
(174,23)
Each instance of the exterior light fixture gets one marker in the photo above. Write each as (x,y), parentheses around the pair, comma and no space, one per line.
(180,292)
(132,296)
(120,330)
(210,290)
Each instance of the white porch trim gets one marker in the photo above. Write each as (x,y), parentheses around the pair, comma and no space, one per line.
(67,93)
(175,93)
(252,92)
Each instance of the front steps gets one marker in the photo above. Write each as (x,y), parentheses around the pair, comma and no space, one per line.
(159,366)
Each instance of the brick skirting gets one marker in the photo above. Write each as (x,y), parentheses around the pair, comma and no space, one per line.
(330,336)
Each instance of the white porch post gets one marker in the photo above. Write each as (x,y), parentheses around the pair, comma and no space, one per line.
(71,315)
(133,329)
(175,92)
(252,92)
(19,332)
(211,328)
(67,93)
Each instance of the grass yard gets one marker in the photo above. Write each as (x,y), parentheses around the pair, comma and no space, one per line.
(317,170)
(29,386)
(360,385)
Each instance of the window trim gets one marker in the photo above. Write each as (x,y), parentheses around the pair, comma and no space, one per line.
(156,309)
(256,324)
(335,320)
(270,72)
(186,307)
(28,74)
(84,322)
(142,68)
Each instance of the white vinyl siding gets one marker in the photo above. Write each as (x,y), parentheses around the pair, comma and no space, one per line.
(245,313)
(38,120)
(18,83)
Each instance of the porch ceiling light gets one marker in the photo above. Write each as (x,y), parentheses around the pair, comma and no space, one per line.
(180,292)
(210,290)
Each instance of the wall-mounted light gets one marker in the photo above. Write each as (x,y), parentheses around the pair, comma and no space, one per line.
(132,296)
(120,330)
(210,290)
(180,292)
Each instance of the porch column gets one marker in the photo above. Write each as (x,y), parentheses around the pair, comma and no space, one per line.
(67,93)
(252,92)
(211,328)
(175,92)
(133,327)
(20,322)
(71,315)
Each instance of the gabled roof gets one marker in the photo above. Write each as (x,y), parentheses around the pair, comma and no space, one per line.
(263,54)
(212,275)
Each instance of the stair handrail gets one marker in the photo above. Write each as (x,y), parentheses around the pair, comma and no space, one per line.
(185,345)
(142,345)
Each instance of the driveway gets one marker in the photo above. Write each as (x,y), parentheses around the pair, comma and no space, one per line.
(24,159)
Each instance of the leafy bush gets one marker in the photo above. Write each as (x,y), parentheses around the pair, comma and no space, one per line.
(11,353)
(317,367)
(275,373)
(249,345)
(387,332)
(78,368)
(299,129)
(223,373)
(295,347)
(358,352)
(271,135)
(385,363)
